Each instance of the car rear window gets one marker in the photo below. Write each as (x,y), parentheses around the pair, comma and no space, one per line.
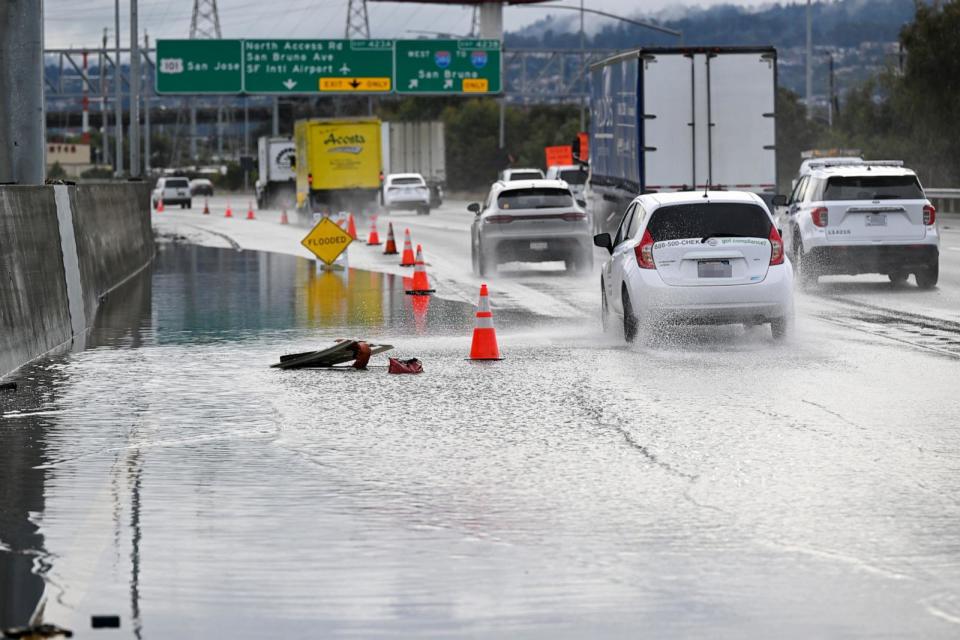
(176,183)
(416,181)
(526,175)
(534,199)
(572,176)
(719,219)
(873,188)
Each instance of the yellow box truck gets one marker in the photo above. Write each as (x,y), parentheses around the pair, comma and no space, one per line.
(338,164)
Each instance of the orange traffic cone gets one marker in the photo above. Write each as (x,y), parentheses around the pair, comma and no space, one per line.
(407,259)
(250,215)
(160,206)
(283,217)
(421,284)
(206,207)
(374,238)
(351,226)
(391,248)
(229,212)
(484,345)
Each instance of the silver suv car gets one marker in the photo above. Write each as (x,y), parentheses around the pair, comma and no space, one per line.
(530,221)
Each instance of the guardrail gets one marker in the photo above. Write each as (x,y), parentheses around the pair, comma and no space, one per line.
(945,200)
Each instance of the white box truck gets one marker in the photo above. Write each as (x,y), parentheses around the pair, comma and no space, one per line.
(676,119)
(417,147)
(276,182)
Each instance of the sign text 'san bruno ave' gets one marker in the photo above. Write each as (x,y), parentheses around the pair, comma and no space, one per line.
(328,66)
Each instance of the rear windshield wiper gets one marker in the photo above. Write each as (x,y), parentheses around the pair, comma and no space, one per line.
(723,235)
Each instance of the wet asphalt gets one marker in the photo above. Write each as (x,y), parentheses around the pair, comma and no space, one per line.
(702,483)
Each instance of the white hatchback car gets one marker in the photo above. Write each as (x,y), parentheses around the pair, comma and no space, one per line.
(696,257)
(406,191)
(173,191)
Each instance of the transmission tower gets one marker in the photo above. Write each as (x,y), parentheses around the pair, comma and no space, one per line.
(358,22)
(205,23)
(475,22)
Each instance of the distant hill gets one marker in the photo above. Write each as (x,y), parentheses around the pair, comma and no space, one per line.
(844,23)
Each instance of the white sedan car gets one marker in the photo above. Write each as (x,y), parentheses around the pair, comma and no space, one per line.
(406,191)
(712,257)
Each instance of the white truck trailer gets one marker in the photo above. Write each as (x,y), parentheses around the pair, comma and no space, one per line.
(417,147)
(276,182)
(676,119)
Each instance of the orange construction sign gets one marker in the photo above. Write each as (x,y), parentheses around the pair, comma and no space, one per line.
(559,155)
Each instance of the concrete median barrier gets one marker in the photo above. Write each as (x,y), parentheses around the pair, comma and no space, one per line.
(61,249)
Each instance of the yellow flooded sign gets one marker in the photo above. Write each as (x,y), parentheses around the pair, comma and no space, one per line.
(327,241)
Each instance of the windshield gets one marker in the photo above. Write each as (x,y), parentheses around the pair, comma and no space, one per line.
(416,181)
(710,219)
(176,183)
(574,176)
(873,188)
(535,199)
(525,175)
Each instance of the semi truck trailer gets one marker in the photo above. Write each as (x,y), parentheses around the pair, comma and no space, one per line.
(417,147)
(676,119)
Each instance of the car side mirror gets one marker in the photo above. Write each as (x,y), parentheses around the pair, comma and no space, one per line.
(779,200)
(603,241)
(582,203)
(474,207)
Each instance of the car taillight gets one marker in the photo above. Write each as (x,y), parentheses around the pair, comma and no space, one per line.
(819,216)
(575,216)
(498,219)
(310,179)
(929,214)
(644,251)
(776,247)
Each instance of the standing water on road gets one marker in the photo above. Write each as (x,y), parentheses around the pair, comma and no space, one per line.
(716,485)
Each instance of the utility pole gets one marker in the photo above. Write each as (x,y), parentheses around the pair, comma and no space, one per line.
(276,115)
(583,74)
(104,110)
(134,92)
(809,60)
(204,24)
(146,113)
(832,89)
(358,20)
(118,94)
(23,146)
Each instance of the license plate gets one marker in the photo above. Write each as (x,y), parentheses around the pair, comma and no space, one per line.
(877,220)
(714,269)
(538,246)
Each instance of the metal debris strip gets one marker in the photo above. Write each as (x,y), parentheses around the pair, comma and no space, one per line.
(359,351)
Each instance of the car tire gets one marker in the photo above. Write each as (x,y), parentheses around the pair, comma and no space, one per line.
(423,211)
(782,328)
(189,204)
(927,278)
(604,309)
(897,278)
(630,323)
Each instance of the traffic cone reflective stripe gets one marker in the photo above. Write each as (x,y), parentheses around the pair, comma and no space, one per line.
(407,259)
(374,237)
(250,215)
(421,284)
(351,227)
(484,346)
(391,248)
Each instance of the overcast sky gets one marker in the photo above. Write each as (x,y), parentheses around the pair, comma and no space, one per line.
(80,23)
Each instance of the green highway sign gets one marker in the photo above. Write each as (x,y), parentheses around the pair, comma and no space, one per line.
(318,66)
(280,66)
(448,66)
(199,66)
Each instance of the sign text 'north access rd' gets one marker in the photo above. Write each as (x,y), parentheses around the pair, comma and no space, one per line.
(318,66)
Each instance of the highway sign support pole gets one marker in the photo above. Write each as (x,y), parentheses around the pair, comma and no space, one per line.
(104,108)
(276,116)
(583,72)
(809,61)
(193,130)
(117,94)
(146,114)
(134,92)
(22,118)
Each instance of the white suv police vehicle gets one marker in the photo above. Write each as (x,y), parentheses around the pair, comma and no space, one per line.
(855,216)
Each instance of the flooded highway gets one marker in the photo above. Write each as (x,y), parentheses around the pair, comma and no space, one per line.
(706,483)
